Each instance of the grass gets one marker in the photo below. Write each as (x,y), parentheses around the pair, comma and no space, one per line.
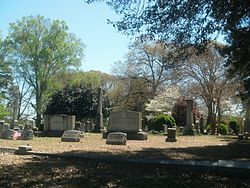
(35,171)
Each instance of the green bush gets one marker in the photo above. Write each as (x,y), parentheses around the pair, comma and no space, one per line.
(159,120)
(233,124)
(223,129)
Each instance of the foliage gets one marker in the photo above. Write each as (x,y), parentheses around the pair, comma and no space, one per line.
(164,101)
(179,111)
(223,129)
(233,124)
(39,49)
(79,100)
(192,22)
(159,120)
(5,70)
(3,112)
(149,60)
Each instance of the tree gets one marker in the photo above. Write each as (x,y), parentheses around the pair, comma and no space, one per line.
(80,100)
(164,101)
(206,75)
(41,48)
(192,22)
(152,61)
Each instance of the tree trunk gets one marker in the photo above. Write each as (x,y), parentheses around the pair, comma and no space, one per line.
(210,118)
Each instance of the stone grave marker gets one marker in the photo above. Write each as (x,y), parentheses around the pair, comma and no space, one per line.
(128,122)
(117,138)
(171,135)
(71,136)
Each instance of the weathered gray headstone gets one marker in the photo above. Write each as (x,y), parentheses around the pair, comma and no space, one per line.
(27,134)
(99,115)
(171,135)
(117,138)
(127,122)
(71,136)
(188,129)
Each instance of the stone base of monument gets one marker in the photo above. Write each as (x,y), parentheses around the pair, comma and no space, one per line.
(171,135)
(130,135)
(188,131)
(22,150)
(117,138)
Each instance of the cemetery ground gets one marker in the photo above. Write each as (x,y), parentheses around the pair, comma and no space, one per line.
(44,171)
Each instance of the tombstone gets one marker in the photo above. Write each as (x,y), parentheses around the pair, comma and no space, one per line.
(99,116)
(117,138)
(165,129)
(171,135)
(55,125)
(9,134)
(128,122)
(89,127)
(22,150)
(71,136)
(77,125)
(27,134)
(202,125)
(188,129)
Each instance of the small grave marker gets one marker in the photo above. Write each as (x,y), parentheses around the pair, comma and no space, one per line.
(71,136)
(117,138)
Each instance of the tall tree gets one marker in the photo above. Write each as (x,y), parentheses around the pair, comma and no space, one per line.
(206,74)
(192,22)
(40,48)
(152,61)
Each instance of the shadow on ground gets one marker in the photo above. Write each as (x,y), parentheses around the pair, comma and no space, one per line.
(42,171)
(235,150)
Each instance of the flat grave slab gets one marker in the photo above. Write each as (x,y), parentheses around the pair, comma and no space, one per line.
(71,136)
(117,138)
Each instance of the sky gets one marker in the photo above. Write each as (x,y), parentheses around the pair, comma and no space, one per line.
(104,45)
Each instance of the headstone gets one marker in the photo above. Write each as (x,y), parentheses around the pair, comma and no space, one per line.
(171,135)
(117,138)
(27,134)
(1,124)
(71,136)
(22,150)
(9,134)
(165,129)
(128,122)
(99,115)
(89,127)
(188,129)
(202,125)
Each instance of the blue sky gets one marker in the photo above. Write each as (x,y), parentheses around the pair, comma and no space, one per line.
(104,45)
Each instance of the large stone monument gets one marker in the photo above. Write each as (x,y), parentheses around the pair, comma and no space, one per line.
(99,115)
(188,129)
(55,125)
(128,122)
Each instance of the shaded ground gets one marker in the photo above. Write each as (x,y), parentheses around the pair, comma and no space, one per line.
(34,171)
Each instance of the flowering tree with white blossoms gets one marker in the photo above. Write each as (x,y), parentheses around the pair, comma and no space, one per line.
(164,101)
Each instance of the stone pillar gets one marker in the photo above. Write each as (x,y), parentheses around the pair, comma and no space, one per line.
(202,125)
(171,135)
(99,115)
(188,129)
(247,118)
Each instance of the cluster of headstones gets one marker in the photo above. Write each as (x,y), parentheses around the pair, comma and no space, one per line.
(17,133)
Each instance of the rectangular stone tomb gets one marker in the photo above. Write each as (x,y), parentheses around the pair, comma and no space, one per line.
(125,121)
(71,136)
(117,138)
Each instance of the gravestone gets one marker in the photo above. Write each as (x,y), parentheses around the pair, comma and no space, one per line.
(128,122)
(71,136)
(99,116)
(27,134)
(9,134)
(117,138)
(171,135)
(55,125)
(188,129)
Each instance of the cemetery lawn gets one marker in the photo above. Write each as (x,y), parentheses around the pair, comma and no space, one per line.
(38,171)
